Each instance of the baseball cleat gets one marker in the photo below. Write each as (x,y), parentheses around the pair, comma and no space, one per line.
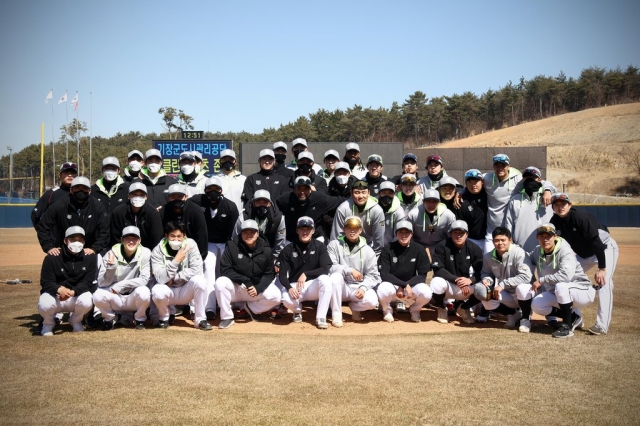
(563,332)
(525,326)
(297,317)
(204,325)
(108,325)
(224,324)
(401,307)
(554,324)
(415,316)
(211,315)
(596,330)
(139,325)
(321,323)
(163,324)
(512,320)
(388,317)
(443,315)
(172,319)
(576,321)
(467,318)
(47,330)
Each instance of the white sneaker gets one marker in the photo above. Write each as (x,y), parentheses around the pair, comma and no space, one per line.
(336,323)
(356,316)
(77,327)
(512,320)
(321,323)
(415,316)
(47,330)
(443,316)
(388,317)
(467,318)
(525,326)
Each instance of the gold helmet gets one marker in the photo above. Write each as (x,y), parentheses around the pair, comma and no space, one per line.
(353,222)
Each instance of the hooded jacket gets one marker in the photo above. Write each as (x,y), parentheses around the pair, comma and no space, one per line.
(478,201)
(268,180)
(407,206)
(123,277)
(220,219)
(75,272)
(316,205)
(427,232)
(585,235)
(114,196)
(509,272)
(295,259)
(427,183)
(233,186)
(523,217)
(498,196)
(194,186)
(471,214)
(165,269)
(449,262)
(373,222)
(561,266)
(148,220)
(248,267)
(362,258)
(193,218)
(156,186)
(128,177)
(402,265)
(391,217)
(335,190)
(272,227)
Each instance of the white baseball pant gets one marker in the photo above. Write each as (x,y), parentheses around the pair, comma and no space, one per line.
(317,289)
(109,303)
(387,294)
(212,272)
(48,306)
(227,293)
(580,295)
(509,299)
(343,291)
(195,289)
(450,290)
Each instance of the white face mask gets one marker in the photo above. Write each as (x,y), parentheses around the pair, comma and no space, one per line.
(175,245)
(154,167)
(135,166)
(110,175)
(137,201)
(342,180)
(187,169)
(198,168)
(75,247)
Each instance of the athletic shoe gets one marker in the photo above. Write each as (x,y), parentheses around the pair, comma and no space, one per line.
(224,324)
(388,317)
(356,316)
(336,323)
(139,325)
(254,317)
(108,325)
(297,317)
(554,324)
(172,319)
(77,327)
(466,316)
(211,315)
(415,316)
(93,322)
(525,326)
(321,323)
(576,321)
(563,331)
(278,312)
(47,330)
(204,325)
(451,309)
(483,315)
(401,307)
(163,324)
(443,315)
(596,330)
(512,320)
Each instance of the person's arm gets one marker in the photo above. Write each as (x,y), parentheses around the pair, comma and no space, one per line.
(378,231)
(590,231)
(281,236)
(85,282)
(567,262)
(154,224)
(199,233)
(523,276)
(285,267)
(40,208)
(45,227)
(48,280)
(162,271)
(103,231)
(106,272)
(144,275)
(438,264)
(227,268)
(247,191)
(384,268)
(487,273)
(371,276)
(334,250)
(338,222)
(194,265)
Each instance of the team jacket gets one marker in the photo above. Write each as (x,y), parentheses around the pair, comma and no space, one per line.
(48,198)
(129,177)
(449,262)
(75,272)
(359,170)
(523,217)
(471,214)
(233,186)
(194,185)
(91,216)
(498,196)
(374,184)
(316,180)
(561,266)
(509,272)
(373,222)
(165,269)
(585,235)
(478,200)
(269,180)
(148,220)
(427,182)
(312,259)
(248,267)
(282,169)
(193,218)
(401,265)
(123,277)
(362,258)
(112,197)
(336,190)
(220,219)
(316,205)
(272,227)
(409,206)
(430,232)
(391,217)
(156,187)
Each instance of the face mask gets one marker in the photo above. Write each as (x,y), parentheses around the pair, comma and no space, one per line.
(352,161)
(280,158)
(531,185)
(175,245)
(81,196)
(227,165)
(176,204)
(110,175)
(304,168)
(137,201)
(261,211)
(135,166)
(386,200)
(296,153)
(75,247)
(187,169)
(198,168)
(154,167)
(214,196)
(342,180)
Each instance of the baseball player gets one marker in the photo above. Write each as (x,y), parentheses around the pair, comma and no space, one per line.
(462,209)
(155,178)
(232,179)
(435,172)
(354,272)
(280,154)
(475,194)
(110,190)
(66,280)
(352,157)
(594,247)
(192,180)
(269,218)
(342,181)
(137,212)
(305,167)
(431,220)
(393,211)
(403,266)
(560,277)
(409,166)
(68,171)
(331,159)
(135,162)
(409,197)
(304,267)
(267,179)
(374,176)
(123,279)
(298,146)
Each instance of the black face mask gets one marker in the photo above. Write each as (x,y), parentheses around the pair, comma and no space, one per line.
(351,161)
(262,211)
(531,186)
(213,196)
(296,153)
(80,196)
(280,158)
(227,165)
(386,200)
(176,204)
(304,168)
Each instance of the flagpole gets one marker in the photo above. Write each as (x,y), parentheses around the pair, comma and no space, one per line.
(77,131)
(53,145)
(42,158)
(90,133)
(66,111)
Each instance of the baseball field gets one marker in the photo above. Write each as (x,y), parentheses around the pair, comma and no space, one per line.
(277,372)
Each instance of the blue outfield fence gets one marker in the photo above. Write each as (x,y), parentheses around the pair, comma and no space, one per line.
(16,215)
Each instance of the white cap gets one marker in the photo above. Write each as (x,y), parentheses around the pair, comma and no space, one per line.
(342,165)
(131,230)
(249,224)
(306,154)
(299,141)
(187,155)
(176,188)
(213,181)
(228,153)
(153,153)
(387,184)
(137,186)
(279,144)
(403,224)
(353,145)
(332,152)
(431,194)
(458,224)
(267,153)
(448,180)
(197,154)
(73,230)
(262,194)
(134,152)
(80,180)
(111,161)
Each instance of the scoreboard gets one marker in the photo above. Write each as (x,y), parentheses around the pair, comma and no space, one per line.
(210,150)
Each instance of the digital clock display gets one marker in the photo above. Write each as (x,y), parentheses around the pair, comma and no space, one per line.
(192,134)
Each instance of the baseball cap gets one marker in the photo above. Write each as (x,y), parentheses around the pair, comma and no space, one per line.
(408,178)
(533,172)
(137,186)
(459,224)
(474,174)
(360,184)
(546,228)
(152,153)
(353,222)
(302,181)
(228,153)
(501,158)
(387,184)
(213,181)
(176,188)
(352,145)
(73,230)
(131,230)
(134,152)
(187,155)
(249,224)
(374,158)
(262,194)
(69,166)
(279,144)
(305,221)
(560,196)
(448,180)
(403,224)
(409,157)
(342,165)
(299,141)
(306,154)
(331,152)
(431,194)
(435,158)
(80,180)
(267,153)
(197,155)
(111,161)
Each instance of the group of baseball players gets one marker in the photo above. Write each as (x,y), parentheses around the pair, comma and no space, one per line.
(138,247)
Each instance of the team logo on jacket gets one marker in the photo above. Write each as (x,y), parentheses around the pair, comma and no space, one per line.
(223,215)
(312,252)
(258,182)
(89,217)
(468,257)
(413,260)
(68,216)
(451,257)
(394,260)
(276,182)
(295,254)
(120,200)
(84,268)
(435,263)
(240,256)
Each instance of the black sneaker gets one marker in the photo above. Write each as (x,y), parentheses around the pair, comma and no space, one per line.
(563,331)
(163,324)
(211,315)
(172,319)
(108,325)
(254,317)
(576,321)
(204,325)
(226,324)
(139,325)
(554,324)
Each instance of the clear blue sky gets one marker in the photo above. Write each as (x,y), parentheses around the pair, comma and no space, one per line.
(248,65)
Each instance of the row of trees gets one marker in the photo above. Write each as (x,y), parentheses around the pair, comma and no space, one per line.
(419,120)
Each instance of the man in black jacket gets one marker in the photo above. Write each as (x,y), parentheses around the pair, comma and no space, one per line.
(280,154)
(180,209)
(247,276)
(267,179)
(67,280)
(137,212)
(270,221)
(305,168)
(403,266)
(68,171)
(80,209)
(452,262)
(475,194)
(374,176)
(471,214)
(111,190)
(155,178)
(135,161)
(304,268)
(341,182)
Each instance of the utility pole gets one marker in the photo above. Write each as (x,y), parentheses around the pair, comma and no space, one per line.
(10,170)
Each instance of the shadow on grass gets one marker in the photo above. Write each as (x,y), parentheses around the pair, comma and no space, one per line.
(32,322)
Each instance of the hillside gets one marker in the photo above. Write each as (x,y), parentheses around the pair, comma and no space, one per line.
(588,150)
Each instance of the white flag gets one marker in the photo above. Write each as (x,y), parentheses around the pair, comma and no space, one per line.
(63,99)
(74,101)
(49,96)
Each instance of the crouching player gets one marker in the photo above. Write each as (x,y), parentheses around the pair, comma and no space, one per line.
(177,267)
(304,268)
(403,266)
(564,283)
(123,280)
(66,280)
(457,265)
(354,272)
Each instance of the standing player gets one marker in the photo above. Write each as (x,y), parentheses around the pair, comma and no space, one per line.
(331,159)
(462,209)
(193,180)
(155,178)
(431,220)
(352,157)
(110,190)
(137,212)
(475,194)
(374,176)
(135,162)
(393,211)
(409,195)
(267,179)
(435,172)
(232,179)
(68,171)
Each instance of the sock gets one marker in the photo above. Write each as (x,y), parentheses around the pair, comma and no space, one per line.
(565,312)
(437,300)
(525,305)
(470,302)
(504,310)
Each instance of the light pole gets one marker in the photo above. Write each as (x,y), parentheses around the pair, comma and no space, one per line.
(10,171)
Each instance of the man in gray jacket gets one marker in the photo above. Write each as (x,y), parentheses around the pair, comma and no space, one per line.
(431,220)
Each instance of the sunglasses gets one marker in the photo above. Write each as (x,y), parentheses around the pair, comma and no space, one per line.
(501,159)
(69,166)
